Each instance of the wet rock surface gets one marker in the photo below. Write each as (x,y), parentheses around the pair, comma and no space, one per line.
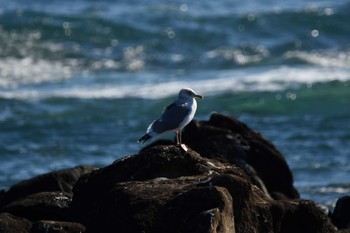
(231,179)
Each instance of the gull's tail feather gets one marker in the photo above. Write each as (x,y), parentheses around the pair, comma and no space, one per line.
(145,138)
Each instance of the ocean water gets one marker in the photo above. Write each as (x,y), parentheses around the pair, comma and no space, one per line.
(80,80)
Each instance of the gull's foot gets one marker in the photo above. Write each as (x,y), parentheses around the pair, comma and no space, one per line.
(184,147)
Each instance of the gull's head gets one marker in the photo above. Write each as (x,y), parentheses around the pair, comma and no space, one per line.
(188,93)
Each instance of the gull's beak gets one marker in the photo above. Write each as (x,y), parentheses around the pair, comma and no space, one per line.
(199,96)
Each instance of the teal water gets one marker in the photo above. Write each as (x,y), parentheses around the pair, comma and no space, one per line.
(81,80)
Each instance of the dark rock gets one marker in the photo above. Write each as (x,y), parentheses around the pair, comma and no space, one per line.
(164,189)
(266,215)
(130,192)
(250,204)
(57,227)
(44,205)
(341,214)
(13,224)
(159,142)
(61,180)
(225,188)
(300,216)
(2,195)
(201,209)
(229,140)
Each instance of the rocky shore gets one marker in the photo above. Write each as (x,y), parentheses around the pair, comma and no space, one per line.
(231,179)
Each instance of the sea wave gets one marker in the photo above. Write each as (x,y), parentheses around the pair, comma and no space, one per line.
(107,36)
(272,79)
(48,53)
(328,58)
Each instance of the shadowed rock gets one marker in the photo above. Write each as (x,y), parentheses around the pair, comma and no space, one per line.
(139,186)
(201,209)
(57,227)
(341,214)
(226,139)
(44,205)
(229,140)
(13,224)
(46,196)
(61,180)
(164,189)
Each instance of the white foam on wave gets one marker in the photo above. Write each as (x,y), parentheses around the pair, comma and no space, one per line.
(216,82)
(23,71)
(273,79)
(324,59)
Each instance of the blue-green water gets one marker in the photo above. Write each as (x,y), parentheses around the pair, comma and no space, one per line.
(81,80)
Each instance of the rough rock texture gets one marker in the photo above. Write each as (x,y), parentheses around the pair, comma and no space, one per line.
(57,227)
(62,180)
(44,205)
(12,224)
(164,189)
(43,197)
(230,180)
(134,190)
(230,140)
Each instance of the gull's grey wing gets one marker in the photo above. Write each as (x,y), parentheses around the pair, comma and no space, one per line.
(171,118)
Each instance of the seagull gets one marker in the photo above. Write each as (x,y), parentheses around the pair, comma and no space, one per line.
(175,117)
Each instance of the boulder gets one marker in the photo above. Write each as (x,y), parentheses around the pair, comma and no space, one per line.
(61,180)
(229,140)
(226,139)
(128,195)
(341,213)
(200,209)
(302,216)
(44,205)
(164,189)
(57,227)
(12,224)
(47,196)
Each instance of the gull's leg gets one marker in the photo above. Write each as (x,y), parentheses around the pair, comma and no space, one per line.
(183,146)
(180,137)
(177,138)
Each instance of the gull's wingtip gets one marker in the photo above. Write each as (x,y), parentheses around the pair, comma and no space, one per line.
(144,138)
